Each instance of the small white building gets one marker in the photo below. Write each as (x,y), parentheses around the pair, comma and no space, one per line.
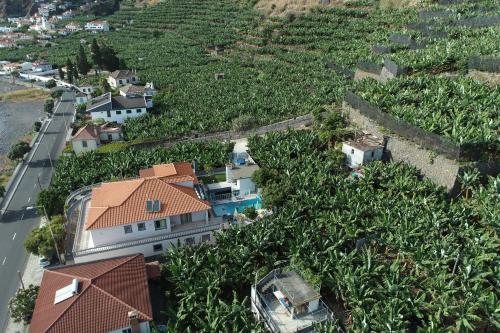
(116,108)
(73,27)
(147,91)
(287,303)
(86,89)
(362,150)
(122,77)
(41,66)
(97,26)
(90,137)
(81,98)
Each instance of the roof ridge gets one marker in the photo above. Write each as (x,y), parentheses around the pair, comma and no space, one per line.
(69,306)
(119,300)
(68,275)
(141,180)
(115,267)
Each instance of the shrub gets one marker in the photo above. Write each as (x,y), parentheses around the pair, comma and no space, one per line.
(244,122)
(50,84)
(18,150)
(49,106)
(22,305)
(250,212)
(37,125)
(56,94)
(40,242)
(52,201)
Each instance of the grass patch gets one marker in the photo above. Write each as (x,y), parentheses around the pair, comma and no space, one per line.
(24,95)
(213,178)
(113,147)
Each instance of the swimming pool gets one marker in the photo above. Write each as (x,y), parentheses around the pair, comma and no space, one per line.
(229,207)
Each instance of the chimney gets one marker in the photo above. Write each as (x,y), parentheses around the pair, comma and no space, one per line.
(133,317)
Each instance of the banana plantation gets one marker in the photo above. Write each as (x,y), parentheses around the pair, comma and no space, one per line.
(391,251)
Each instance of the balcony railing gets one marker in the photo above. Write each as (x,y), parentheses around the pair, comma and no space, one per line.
(169,236)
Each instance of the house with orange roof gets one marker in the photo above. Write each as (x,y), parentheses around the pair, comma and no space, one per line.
(90,137)
(164,206)
(105,296)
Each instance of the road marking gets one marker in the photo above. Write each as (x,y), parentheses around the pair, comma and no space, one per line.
(34,186)
(22,216)
(29,199)
(3,262)
(14,237)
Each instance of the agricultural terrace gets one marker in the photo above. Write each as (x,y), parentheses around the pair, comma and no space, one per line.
(390,250)
(460,109)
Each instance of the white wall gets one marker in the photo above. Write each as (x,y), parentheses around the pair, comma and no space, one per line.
(354,156)
(377,155)
(119,118)
(114,136)
(78,146)
(245,185)
(81,100)
(145,249)
(144,328)
(113,235)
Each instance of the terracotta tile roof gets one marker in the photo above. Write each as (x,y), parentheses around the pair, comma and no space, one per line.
(107,291)
(124,202)
(87,132)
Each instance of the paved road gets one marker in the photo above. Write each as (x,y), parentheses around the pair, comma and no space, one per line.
(17,221)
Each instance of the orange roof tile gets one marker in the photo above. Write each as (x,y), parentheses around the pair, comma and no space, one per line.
(108,290)
(124,202)
(87,132)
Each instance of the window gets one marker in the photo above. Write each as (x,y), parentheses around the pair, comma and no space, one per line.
(110,137)
(373,153)
(108,113)
(157,247)
(127,229)
(84,144)
(118,112)
(127,330)
(141,226)
(160,224)
(186,218)
(189,241)
(129,111)
(138,110)
(205,238)
(352,151)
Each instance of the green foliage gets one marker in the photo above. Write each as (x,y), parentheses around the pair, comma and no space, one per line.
(48,107)
(50,84)
(70,71)
(56,94)
(61,73)
(40,242)
(250,212)
(460,108)
(82,62)
(37,125)
(406,276)
(52,200)
(2,191)
(22,305)
(18,150)
(244,122)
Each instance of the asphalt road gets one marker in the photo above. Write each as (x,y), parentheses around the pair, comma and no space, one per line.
(17,221)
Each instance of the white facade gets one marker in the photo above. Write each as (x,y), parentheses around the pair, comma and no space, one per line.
(110,136)
(79,100)
(83,146)
(356,157)
(116,83)
(117,234)
(87,89)
(41,67)
(118,116)
(97,26)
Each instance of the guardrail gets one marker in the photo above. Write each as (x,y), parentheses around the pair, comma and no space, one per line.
(143,241)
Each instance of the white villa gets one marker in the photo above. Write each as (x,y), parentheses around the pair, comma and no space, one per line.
(41,66)
(97,26)
(121,78)
(362,151)
(164,206)
(287,303)
(116,108)
(90,137)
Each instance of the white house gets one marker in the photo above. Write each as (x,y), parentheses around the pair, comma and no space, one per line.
(86,89)
(73,27)
(97,26)
(122,77)
(41,66)
(144,215)
(147,91)
(362,150)
(81,98)
(116,108)
(90,137)
(287,303)
(109,296)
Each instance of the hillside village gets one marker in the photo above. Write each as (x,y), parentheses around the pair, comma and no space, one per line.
(236,166)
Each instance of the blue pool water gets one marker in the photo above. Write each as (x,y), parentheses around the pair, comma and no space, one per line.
(228,208)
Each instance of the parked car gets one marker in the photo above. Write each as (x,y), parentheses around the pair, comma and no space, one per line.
(44,262)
